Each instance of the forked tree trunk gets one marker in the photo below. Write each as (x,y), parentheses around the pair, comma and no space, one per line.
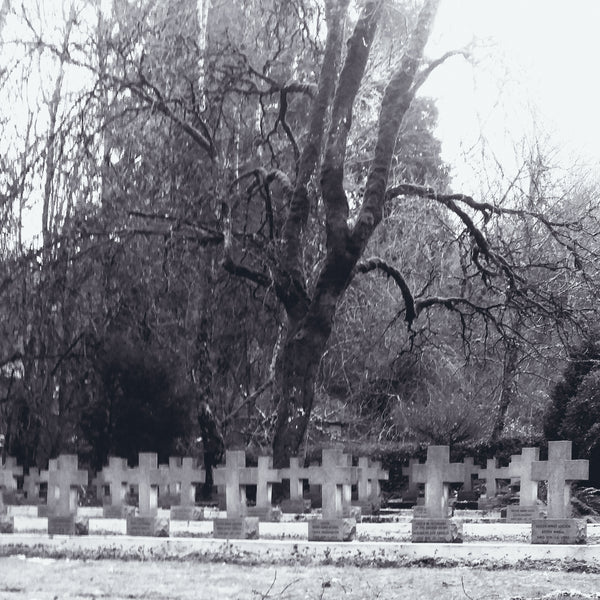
(311,320)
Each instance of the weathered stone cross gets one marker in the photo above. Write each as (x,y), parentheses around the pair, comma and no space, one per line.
(8,472)
(231,477)
(491,474)
(559,471)
(437,473)
(409,472)
(63,478)
(333,475)
(186,475)
(148,477)
(116,476)
(520,466)
(370,474)
(296,475)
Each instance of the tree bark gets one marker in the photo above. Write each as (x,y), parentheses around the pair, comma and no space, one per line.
(308,333)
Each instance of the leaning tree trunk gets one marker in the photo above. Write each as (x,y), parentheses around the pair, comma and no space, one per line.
(311,319)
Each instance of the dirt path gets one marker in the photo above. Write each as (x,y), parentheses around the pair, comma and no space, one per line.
(48,579)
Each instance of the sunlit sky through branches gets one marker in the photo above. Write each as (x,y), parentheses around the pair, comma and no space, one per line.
(531,75)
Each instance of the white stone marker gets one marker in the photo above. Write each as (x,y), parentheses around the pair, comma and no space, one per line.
(437,473)
(370,474)
(559,471)
(335,476)
(148,477)
(184,476)
(520,467)
(237,525)
(296,475)
(8,473)
(64,479)
(31,485)
(117,477)
(263,476)
(470,470)
(491,474)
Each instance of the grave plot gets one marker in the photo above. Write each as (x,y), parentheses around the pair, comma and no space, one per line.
(431,522)
(335,476)
(233,476)
(559,471)
(8,483)
(528,508)
(184,476)
(64,481)
(147,476)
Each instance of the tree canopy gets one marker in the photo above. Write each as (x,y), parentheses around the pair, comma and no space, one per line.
(247,231)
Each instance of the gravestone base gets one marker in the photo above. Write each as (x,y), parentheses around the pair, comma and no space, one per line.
(420,512)
(117,512)
(269,514)
(297,506)
(242,528)
(68,525)
(187,513)
(147,526)
(331,530)
(558,531)
(7,524)
(445,531)
(521,514)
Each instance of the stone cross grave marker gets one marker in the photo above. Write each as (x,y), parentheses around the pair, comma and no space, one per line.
(148,477)
(437,473)
(229,476)
(8,473)
(116,476)
(184,476)
(409,472)
(335,475)
(263,476)
(491,474)
(470,470)
(520,468)
(296,476)
(234,478)
(559,471)
(332,475)
(31,485)
(64,478)
(369,475)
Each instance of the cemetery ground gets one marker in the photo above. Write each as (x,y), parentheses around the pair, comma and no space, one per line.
(495,562)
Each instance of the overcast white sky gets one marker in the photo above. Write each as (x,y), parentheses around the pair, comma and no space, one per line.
(534,70)
(536,66)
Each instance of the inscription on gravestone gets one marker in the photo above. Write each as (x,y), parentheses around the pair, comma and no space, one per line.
(521,514)
(237,528)
(559,531)
(436,530)
(58,525)
(331,530)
